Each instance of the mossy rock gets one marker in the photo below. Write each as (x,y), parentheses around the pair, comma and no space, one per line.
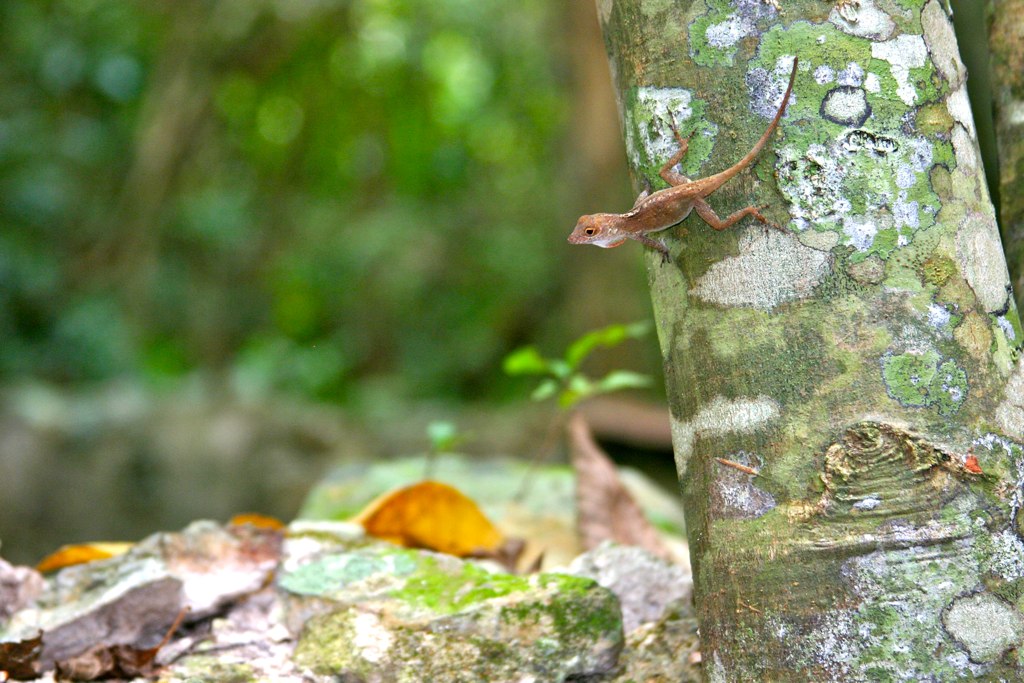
(408,615)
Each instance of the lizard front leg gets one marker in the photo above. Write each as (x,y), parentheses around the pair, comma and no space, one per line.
(653,244)
(705,211)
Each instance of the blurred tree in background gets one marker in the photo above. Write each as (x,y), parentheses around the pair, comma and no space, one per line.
(303,195)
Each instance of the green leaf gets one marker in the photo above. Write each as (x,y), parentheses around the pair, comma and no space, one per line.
(622,379)
(581,384)
(443,435)
(544,390)
(560,369)
(578,388)
(606,336)
(568,398)
(526,361)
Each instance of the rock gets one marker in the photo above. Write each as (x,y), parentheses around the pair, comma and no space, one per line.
(18,587)
(248,643)
(343,607)
(665,651)
(134,598)
(380,613)
(645,584)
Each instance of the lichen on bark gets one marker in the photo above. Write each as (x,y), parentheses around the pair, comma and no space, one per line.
(866,357)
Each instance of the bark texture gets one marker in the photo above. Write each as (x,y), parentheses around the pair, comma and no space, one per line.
(863,361)
(1006,42)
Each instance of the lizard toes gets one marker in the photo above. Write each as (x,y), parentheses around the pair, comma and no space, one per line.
(659,245)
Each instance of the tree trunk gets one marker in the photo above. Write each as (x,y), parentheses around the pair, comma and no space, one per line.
(861,361)
(1006,42)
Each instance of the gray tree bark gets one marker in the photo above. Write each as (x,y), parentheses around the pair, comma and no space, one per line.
(862,361)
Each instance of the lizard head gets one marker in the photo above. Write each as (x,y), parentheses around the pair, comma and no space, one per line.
(597,229)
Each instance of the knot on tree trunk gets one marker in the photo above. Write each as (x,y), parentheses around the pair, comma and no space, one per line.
(877,469)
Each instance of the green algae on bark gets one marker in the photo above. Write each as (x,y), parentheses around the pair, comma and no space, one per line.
(865,357)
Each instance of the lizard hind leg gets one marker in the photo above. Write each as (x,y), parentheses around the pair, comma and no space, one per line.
(666,172)
(644,194)
(705,211)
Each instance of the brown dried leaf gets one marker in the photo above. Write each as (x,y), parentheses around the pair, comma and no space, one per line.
(20,659)
(507,554)
(114,661)
(604,508)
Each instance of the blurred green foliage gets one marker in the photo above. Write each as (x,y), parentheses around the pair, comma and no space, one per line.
(562,377)
(302,194)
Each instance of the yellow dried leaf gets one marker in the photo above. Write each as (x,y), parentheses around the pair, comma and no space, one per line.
(257,520)
(81,553)
(431,515)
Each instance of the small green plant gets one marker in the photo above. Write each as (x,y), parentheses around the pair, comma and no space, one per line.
(444,437)
(562,377)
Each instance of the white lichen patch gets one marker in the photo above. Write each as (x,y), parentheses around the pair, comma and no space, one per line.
(941,40)
(734,493)
(771,268)
(966,150)
(905,176)
(1008,450)
(370,637)
(869,503)
(824,74)
(984,625)
(862,19)
(939,317)
(814,195)
(873,190)
(716,672)
(908,587)
(872,84)
(832,644)
(848,106)
(964,139)
(980,253)
(906,213)
(860,232)
(1007,327)
(1006,556)
(648,123)
(720,416)
(852,75)
(903,53)
(921,154)
(727,33)
(715,34)
(959,106)
(767,89)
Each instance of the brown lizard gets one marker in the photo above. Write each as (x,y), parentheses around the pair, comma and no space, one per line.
(667,207)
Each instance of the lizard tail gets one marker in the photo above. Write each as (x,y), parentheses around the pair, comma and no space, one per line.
(712,183)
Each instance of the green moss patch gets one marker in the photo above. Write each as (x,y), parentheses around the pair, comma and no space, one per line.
(925,380)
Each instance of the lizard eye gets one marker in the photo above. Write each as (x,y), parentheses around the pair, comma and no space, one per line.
(590,231)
